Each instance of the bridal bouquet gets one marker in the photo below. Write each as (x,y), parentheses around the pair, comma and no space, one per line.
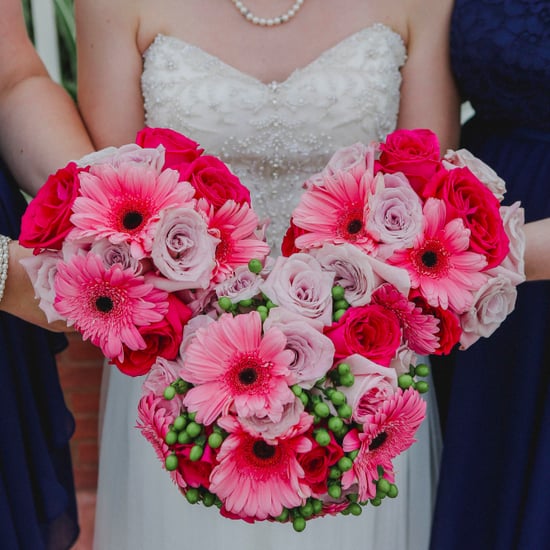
(298,384)
(129,240)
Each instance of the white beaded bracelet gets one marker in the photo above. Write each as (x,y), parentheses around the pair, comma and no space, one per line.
(4,259)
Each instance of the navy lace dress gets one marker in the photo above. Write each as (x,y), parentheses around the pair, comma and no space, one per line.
(37,499)
(494,489)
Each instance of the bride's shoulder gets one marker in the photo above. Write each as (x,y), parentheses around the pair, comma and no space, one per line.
(108,14)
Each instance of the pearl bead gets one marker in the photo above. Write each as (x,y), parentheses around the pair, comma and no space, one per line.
(271,21)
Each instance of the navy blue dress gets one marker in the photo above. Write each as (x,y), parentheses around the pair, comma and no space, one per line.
(37,498)
(494,491)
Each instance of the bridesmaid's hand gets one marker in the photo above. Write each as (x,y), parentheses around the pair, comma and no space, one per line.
(19,297)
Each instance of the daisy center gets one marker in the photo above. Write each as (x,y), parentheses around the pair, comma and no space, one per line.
(104,304)
(132,220)
(355,226)
(248,376)
(263,450)
(378,441)
(351,223)
(432,259)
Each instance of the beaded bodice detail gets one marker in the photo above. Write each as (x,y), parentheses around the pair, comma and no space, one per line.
(274,136)
(500,53)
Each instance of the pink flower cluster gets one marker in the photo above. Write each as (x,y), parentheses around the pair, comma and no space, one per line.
(128,240)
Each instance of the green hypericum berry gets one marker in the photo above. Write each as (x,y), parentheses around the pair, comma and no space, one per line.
(215,440)
(405,381)
(343,369)
(246,303)
(383,486)
(334,473)
(255,266)
(193,429)
(317,505)
(393,492)
(347,380)
(209,499)
(337,315)
(353,454)
(270,305)
(196,453)
(192,495)
(307,510)
(376,501)
(179,423)
(322,437)
(283,516)
(335,491)
(422,370)
(335,423)
(171,462)
(345,464)
(422,387)
(338,398)
(345,411)
(341,304)
(299,524)
(171,437)
(304,398)
(338,292)
(191,415)
(225,303)
(169,393)
(322,410)
(355,509)
(296,390)
(184,438)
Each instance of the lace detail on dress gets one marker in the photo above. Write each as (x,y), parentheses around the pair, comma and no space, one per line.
(492,41)
(276,135)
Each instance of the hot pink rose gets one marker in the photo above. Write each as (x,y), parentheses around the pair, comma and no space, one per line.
(316,464)
(213,181)
(46,221)
(416,153)
(371,331)
(467,198)
(288,246)
(162,339)
(180,150)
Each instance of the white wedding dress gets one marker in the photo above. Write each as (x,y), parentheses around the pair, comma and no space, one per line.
(273,136)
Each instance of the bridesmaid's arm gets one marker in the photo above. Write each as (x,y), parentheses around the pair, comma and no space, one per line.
(429,98)
(109,70)
(40,128)
(537,250)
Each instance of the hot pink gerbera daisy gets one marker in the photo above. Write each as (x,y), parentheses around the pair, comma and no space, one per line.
(440,264)
(385,435)
(258,479)
(123,204)
(233,365)
(235,225)
(420,329)
(335,212)
(107,305)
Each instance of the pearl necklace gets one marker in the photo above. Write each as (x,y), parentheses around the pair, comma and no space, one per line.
(271,21)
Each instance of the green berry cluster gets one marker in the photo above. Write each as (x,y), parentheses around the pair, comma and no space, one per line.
(408,380)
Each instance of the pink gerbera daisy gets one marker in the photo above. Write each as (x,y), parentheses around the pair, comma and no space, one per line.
(335,212)
(440,264)
(386,434)
(258,479)
(235,225)
(123,204)
(107,305)
(420,329)
(232,364)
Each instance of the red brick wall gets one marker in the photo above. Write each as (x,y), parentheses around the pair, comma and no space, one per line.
(80,368)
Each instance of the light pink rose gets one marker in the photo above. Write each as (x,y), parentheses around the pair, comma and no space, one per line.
(313,351)
(359,274)
(129,153)
(199,300)
(191,328)
(299,284)
(514,219)
(183,250)
(42,270)
(395,214)
(243,285)
(463,158)
(356,159)
(373,385)
(162,374)
(119,253)
(493,302)
(269,430)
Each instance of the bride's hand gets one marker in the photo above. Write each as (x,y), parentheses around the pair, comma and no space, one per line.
(19,297)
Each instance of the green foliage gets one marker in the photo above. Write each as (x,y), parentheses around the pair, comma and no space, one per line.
(66,36)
